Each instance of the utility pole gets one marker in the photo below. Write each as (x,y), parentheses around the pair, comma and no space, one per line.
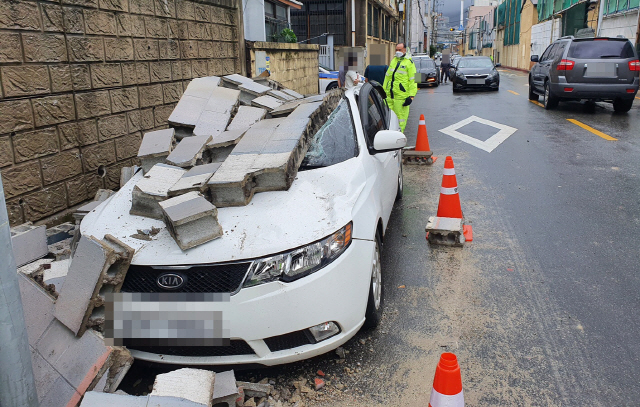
(17,386)
(407,24)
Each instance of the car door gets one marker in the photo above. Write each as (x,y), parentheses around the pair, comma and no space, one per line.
(541,69)
(375,116)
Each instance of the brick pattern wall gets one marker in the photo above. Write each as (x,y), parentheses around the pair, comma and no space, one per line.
(82,80)
(295,66)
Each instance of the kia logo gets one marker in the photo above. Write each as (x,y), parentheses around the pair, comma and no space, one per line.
(170,281)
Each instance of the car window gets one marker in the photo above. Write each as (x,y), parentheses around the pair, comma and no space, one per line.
(424,63)
(373,122)
(475,63)
(558,51)
(383,108)
(596,49)
(335,142)
(547,52)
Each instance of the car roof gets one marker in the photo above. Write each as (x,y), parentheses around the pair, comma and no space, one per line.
(475,57)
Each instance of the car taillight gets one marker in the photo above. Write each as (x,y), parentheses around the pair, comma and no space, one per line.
(566,65)
(634,65)
(568,89)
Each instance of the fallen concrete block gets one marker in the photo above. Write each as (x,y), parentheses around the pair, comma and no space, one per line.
(65,366)
(225,389)
(445,231)
(63,249)
(155,147)
(29,243)
(154,188)
(98,267)
(56,273)
(235,80)
(227,138)
(190,384)
(191,220)
(255,389)
(100,399)
(188,151)
(103,194)
(246,117)
(82,211)
(217,112)
(266,102)
(286,108)
(195,179)
(193,101)
(315,98)
(278,94)
(293,93)
(60,232)
(251,90)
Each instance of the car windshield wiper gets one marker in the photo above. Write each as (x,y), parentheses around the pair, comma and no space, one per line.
(610,56)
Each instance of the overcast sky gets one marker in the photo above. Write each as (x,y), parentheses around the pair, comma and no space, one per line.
(451,9)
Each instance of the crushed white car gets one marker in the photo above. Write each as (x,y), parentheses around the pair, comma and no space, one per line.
(294,274)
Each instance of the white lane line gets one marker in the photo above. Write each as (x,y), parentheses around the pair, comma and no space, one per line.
(488,145)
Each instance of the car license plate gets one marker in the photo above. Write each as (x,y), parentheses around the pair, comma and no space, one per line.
(475,81)
(601,70)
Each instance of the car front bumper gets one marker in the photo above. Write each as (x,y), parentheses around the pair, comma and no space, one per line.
(490,83)
(594,91)
(338,293)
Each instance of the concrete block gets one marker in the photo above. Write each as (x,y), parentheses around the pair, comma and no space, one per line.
(60,393)
(188,151)
(266,102)
(61,232)
(193,101)
(286,108)
(293,93)
(445,231)
(217,112)
(97,267)
(235,80)
(195,179)
(99,399)
(29,243)
(191,220)
(44,375)
(37,305)
(103,194)
(225,389)
(56,274)
(255,389)
(227,138)
(314,98)
(246,117)
(155,147)
(190,384)
(202,87)
(251,90)
(153,188)
(305,110)
(278,94)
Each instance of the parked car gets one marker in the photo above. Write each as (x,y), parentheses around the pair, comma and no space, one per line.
(327,79)
(300,269)
(592,69)
(426,70)
(475,73)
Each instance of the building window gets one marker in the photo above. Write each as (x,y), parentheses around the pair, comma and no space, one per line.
(275,20)
(370,19)
(317,17)
(376,22)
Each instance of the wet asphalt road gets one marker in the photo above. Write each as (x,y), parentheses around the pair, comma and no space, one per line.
(542,307)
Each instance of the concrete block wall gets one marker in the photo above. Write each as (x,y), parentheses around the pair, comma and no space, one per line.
(295,66)
(620,24)
(82,80)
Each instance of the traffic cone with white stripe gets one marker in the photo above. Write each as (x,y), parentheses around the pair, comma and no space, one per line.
(447,383)
(448,227)
(421,153)
(422,139)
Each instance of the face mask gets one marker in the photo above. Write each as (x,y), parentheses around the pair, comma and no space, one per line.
(399,54)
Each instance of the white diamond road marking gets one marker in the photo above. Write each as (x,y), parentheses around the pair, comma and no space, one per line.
(488,145)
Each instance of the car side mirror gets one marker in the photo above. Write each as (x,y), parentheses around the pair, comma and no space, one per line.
(498,65)
(389,140)
(535,58)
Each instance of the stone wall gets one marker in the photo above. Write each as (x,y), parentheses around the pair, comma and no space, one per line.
(293,65)
(82,80)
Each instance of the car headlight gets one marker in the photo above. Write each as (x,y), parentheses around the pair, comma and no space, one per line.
(300,262)
(460,74)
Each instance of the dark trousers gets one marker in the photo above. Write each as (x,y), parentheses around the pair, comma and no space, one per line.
(444,75)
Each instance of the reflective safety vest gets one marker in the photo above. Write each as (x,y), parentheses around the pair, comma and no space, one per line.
(400,79)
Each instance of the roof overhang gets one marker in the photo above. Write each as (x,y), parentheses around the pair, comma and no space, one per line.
(292,3)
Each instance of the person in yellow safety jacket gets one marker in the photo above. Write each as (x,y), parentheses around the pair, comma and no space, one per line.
(400,85)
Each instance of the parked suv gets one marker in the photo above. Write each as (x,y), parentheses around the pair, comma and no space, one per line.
(593,69)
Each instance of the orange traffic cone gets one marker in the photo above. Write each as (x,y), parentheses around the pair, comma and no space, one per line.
(422,139)
(449,204)
(447,383)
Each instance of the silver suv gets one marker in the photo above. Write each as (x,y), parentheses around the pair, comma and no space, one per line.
(592,69)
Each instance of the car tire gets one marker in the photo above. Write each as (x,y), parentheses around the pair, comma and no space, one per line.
(453,88)
(331,86)
(590,106)
(375,302)
(400,184)
(622,106)
(550,101)
(532,94)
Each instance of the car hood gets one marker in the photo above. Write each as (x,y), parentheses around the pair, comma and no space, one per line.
(319,202)
(476,71)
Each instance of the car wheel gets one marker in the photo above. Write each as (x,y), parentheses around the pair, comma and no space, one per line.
(331,86)
(375,302)
(453,88)
(590,106)
(532,94)
(622,106)
(400,184)
(550,101)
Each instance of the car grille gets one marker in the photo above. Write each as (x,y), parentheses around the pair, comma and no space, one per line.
(290,340)
(235,347)
(219,278)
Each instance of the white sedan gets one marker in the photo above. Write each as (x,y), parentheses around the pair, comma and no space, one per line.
(296,273)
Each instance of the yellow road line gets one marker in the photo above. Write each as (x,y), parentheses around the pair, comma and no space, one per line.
(637,98)
(592,130)
(515,93)
(535,102)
